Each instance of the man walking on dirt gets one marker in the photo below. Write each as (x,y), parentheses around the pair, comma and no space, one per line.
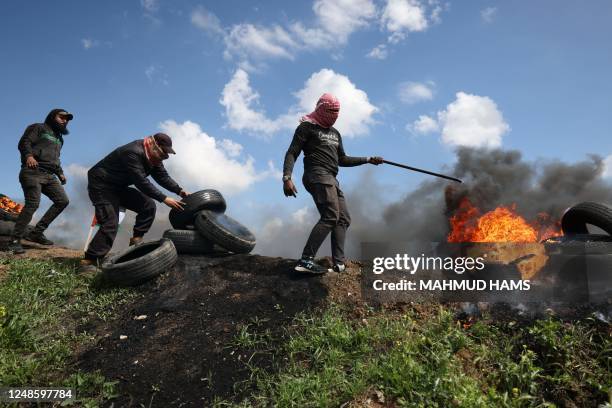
(323,153)
(108,188)
(41,172)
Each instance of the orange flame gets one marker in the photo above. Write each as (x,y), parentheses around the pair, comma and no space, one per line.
(9,205)
(502,224)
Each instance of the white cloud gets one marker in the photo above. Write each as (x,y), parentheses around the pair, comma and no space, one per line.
(232,148)
(89,43)
(150,6)
(607,171)
(240,101)
(203,162)
(207,21)
(247,40)
(156,73)
(341,18)
(470,120)
(434,17)
(424,125)
(76,170)
(413,92)
(379,52)
(488,14)
(335,21)
(401,16)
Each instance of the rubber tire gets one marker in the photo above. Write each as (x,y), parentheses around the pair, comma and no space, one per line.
(144,262)
(189,242)
(225,232)
(580,244)
(8,216)
(576,218)
(195,202)
(7,227)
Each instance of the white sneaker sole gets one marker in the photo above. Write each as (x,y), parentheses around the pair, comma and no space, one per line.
(306,270)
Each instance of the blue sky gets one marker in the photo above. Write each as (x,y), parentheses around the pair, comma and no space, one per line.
(229,80)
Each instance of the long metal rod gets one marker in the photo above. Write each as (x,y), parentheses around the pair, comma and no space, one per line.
(422,171)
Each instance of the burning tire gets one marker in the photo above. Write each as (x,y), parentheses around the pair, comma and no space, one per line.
(225,232)
(581,244)
(140,263)
(9,210)
(195,202)
(8,216)
(7,227)
(189,242)
(576,218)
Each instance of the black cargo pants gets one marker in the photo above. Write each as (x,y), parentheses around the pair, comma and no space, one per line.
(34,182)
(335,218)
(106,201)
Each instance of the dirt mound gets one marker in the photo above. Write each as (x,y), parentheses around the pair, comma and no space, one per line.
(185,352)
(36,251)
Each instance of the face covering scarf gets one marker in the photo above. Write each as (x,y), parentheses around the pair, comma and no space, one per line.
(152,151)
(326,112)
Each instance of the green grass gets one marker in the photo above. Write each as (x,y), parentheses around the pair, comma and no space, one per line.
(412,361)
(42,304)
(323,359)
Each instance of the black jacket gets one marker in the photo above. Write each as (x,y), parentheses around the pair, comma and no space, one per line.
(44,144)
(127,165)
(323,152)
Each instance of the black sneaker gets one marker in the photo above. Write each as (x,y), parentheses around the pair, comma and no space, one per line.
(339,267)
(308,265)
(39,238)
(15,247)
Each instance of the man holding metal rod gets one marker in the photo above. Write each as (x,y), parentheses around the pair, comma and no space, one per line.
(323,153)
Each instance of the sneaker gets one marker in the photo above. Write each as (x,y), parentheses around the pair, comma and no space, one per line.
(339,267)
(308,265)
(88,267)
(135,241)
(39,238)
(15,247)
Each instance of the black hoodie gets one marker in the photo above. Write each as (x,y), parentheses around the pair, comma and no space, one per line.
(44,142)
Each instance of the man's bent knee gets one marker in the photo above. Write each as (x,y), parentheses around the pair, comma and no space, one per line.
(149,206)
(62,203)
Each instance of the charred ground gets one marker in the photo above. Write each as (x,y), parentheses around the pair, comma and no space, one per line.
(202,317)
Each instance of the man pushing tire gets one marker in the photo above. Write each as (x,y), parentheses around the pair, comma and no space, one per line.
(108,188)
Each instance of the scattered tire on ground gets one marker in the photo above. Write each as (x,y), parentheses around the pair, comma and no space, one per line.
(140,263)
(200,200)
(190,242)
(225,232)
(576,218)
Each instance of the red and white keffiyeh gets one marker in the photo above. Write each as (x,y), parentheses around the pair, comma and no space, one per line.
(152,150)
(326,112)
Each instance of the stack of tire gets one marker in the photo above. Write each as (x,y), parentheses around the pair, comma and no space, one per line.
(203,228)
